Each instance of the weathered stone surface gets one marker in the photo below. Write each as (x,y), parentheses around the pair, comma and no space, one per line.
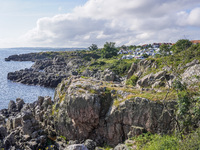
(109,75)
(3,132)
(141,67)
(84,114)
(17,121)
(2,120)
(9,140)
(76,147)
(11,106)
(146,80)
(19,104)
(90,144)
(192,63)
(121,147)
(135,131)
(192,74)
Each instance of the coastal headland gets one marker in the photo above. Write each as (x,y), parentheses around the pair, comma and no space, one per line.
(98,102)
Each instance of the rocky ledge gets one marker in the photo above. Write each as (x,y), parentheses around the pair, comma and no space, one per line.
(83,114)
(49,70)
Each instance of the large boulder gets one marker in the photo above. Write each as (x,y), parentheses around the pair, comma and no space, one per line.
(192,74)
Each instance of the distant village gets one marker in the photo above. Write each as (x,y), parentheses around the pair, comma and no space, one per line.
(139,52)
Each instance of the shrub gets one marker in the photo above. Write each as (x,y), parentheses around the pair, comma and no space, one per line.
(165,142)
(132,80)
(120,67)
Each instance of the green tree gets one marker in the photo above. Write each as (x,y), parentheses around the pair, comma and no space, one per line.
(181,45)
(124,47)
(109,50)
(132,47)
(165,49)
(93,47)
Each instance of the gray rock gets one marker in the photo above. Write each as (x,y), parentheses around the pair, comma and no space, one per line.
(47,101)
(27,127)
(27,115)
(76,147)
(109,75)
(32,145)
(9,140)
(121,147)
(3,132)
(9,123)
(26,138)
(141,67)
(135,131)
(19,104)
(2,120)
(40,100)
(71,142)
(191,74)
(17,121)
(90,144)
(159,74)
(11,106)
(86,112)
(146,80)
(192,63)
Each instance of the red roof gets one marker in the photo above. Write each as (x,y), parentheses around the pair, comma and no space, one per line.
(195,41)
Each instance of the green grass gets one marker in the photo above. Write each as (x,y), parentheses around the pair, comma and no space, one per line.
(148,141)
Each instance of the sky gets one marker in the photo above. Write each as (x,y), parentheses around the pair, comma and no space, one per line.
(80,23)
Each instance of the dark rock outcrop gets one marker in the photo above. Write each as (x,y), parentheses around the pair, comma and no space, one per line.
(84,109)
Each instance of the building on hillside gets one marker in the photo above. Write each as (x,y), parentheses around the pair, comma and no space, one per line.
(195,41)
(157,45)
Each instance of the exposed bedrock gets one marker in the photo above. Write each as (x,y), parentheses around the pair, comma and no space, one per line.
(84,109)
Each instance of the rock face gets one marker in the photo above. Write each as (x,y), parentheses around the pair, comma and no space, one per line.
(141,67)
(85,114)
(151,80)
(84,110)
(192,74)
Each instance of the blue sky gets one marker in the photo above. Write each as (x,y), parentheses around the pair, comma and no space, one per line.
(79,23)
(19,16)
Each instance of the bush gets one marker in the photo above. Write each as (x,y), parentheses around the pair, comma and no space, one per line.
(132,80)
(165,142)
(149,141)
(121,67)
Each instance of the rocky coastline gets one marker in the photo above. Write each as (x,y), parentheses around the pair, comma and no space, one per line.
(82,114)
(91,108)
(49,69)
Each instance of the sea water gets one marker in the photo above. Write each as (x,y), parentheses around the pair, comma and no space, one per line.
(10,90)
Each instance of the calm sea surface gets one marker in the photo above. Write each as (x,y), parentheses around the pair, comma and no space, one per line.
(10,90)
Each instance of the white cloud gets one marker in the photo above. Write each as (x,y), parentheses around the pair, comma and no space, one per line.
(193,18)
(124,22)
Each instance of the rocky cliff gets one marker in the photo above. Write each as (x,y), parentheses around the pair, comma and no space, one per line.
(86,109)
(82,109)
